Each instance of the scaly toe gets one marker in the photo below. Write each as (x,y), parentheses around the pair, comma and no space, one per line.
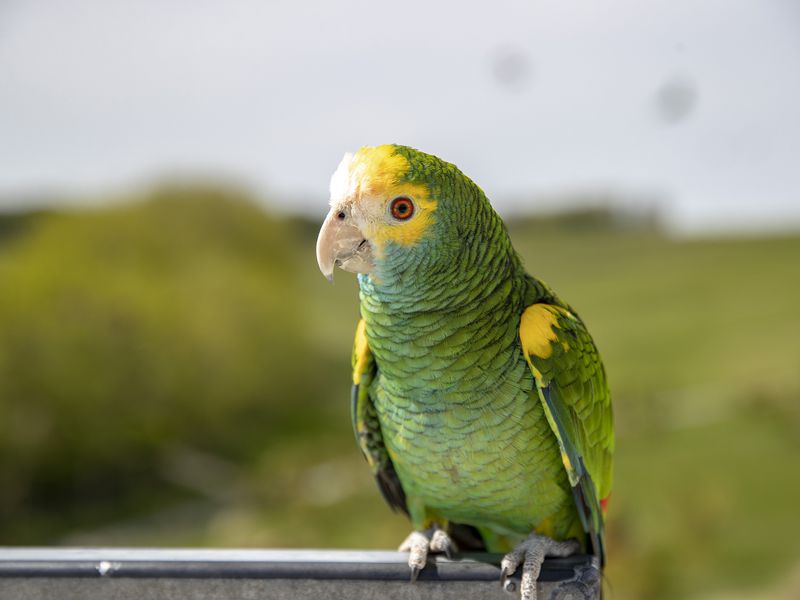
(416,544)
(441,542)
(509,565)
(531,553)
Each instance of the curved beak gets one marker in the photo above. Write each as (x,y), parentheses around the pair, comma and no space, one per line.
(342,244)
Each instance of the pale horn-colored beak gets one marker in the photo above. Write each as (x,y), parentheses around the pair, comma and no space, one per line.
(342,244)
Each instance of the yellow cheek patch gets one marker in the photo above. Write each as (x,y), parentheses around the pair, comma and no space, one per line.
(407,233)
(537,330)
(379,172)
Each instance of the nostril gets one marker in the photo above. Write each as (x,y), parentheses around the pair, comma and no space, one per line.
(341,215)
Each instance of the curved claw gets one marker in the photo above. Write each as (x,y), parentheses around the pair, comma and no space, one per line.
(508,585)
(441,542)
(414,573)
(419,543)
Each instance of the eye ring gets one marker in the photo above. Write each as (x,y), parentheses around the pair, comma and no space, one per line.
(402,208)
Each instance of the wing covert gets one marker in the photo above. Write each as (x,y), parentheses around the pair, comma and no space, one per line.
(367,427)
(571,385)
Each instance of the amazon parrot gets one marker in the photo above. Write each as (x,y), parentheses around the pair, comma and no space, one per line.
(479,398)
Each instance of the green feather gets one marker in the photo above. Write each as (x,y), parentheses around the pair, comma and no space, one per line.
(459,422)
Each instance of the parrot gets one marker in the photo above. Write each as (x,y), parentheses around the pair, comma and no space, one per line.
(479,398)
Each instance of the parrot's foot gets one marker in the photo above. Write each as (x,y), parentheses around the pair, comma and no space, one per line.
(530,553)
(419,543)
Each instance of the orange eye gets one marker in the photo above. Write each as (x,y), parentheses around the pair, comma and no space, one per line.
(402,208)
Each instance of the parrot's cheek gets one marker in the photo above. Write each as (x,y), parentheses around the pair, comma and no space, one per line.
(359,261)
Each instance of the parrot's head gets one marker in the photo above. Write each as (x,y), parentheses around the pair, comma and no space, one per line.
(393,207)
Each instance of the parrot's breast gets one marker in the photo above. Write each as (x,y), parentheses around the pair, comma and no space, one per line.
(472,444)
(459,413)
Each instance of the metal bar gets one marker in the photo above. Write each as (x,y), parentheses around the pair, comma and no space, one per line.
(126,573)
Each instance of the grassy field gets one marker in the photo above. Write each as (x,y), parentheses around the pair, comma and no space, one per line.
(175,371)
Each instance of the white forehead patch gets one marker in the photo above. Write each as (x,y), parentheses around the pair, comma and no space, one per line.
(341,180)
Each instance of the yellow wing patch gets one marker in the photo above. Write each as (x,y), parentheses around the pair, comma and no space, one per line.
(361,352)
(537,330)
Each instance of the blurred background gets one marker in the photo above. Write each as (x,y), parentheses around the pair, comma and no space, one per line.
(175,371)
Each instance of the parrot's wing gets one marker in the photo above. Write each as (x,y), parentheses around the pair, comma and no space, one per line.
(366,426)
(571,385)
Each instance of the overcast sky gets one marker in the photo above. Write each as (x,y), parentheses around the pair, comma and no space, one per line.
(695,103)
